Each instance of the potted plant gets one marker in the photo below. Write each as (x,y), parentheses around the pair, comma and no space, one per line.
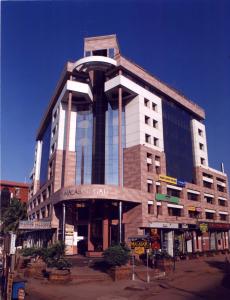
(164,261)
(55,260)
(117,257)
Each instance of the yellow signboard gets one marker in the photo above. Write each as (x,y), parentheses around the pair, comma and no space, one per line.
(192,208)
(203,227)
(168,179)
(139,250)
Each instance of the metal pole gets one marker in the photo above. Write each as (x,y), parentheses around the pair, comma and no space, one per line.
(63,222)
(148,278)
(133,265)
(120,221)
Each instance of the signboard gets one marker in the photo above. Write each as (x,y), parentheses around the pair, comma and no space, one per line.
(168,179)
(163,225)
(139,250)
(218,226)
(203,227)
(140,243)
(181,183)
(192,208)
(172,180)
(163,197)
(34,224)
(12,243)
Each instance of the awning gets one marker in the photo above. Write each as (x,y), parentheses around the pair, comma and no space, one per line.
(175,206)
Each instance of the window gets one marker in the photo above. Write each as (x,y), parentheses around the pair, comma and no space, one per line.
(223,217)
(174,212)
(158,170)
(100,52)
(48,210)
(157,158)
(159,210)
(54,131)
(156,141)
(173,193)
(154,106)
(155,124)
(111,52)
(147,120)
(200,132)
(209,200)
(201,146)
(158,189)
(202,161)
(150,209)
(149,167)
(44,195)
(43,213)
(39,199)
(149,187)
(194,214)
(222,202)
(209,216)
(146,102)
(87,53)
(147,138)
(55,115)
(149,155)
(192,196)
(220,188)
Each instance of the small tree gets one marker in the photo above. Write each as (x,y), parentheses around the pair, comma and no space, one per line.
(12,215)
(117,255)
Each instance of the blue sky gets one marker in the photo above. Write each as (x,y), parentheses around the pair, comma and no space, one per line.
(184,43)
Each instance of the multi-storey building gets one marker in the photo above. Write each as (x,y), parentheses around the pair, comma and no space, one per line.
(121,154)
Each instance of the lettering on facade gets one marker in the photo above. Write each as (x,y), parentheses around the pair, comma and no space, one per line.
(98,192)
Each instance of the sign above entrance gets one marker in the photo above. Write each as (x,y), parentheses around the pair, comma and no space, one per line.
(34,224)
(84,190)
(163,225)
(163,197)
(172,180)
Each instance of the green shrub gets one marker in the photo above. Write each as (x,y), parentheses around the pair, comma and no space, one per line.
(117,255)
(32,251)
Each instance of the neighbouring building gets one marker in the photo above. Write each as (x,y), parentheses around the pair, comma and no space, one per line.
(12,189)
(120,154)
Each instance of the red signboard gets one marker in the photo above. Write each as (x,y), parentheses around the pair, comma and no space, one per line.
(218,226)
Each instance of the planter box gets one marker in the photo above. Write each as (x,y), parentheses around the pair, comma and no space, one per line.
(60,275)
(164,264)
(120,273)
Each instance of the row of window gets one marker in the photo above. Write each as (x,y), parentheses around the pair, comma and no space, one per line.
(40,198)
(150,104)
(151,140)
(178,212)
(45,212)
(190,196)
(154,123)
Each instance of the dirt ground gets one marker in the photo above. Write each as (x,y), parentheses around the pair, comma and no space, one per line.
(208,278)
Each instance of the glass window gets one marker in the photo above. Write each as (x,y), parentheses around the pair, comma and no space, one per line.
(84,136)
(111,52)
(178,141)
(45,154)
(87,53)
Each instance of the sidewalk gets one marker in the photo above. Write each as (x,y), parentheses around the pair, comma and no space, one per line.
(208,278)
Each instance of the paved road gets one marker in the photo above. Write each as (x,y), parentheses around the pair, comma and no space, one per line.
(192,280)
